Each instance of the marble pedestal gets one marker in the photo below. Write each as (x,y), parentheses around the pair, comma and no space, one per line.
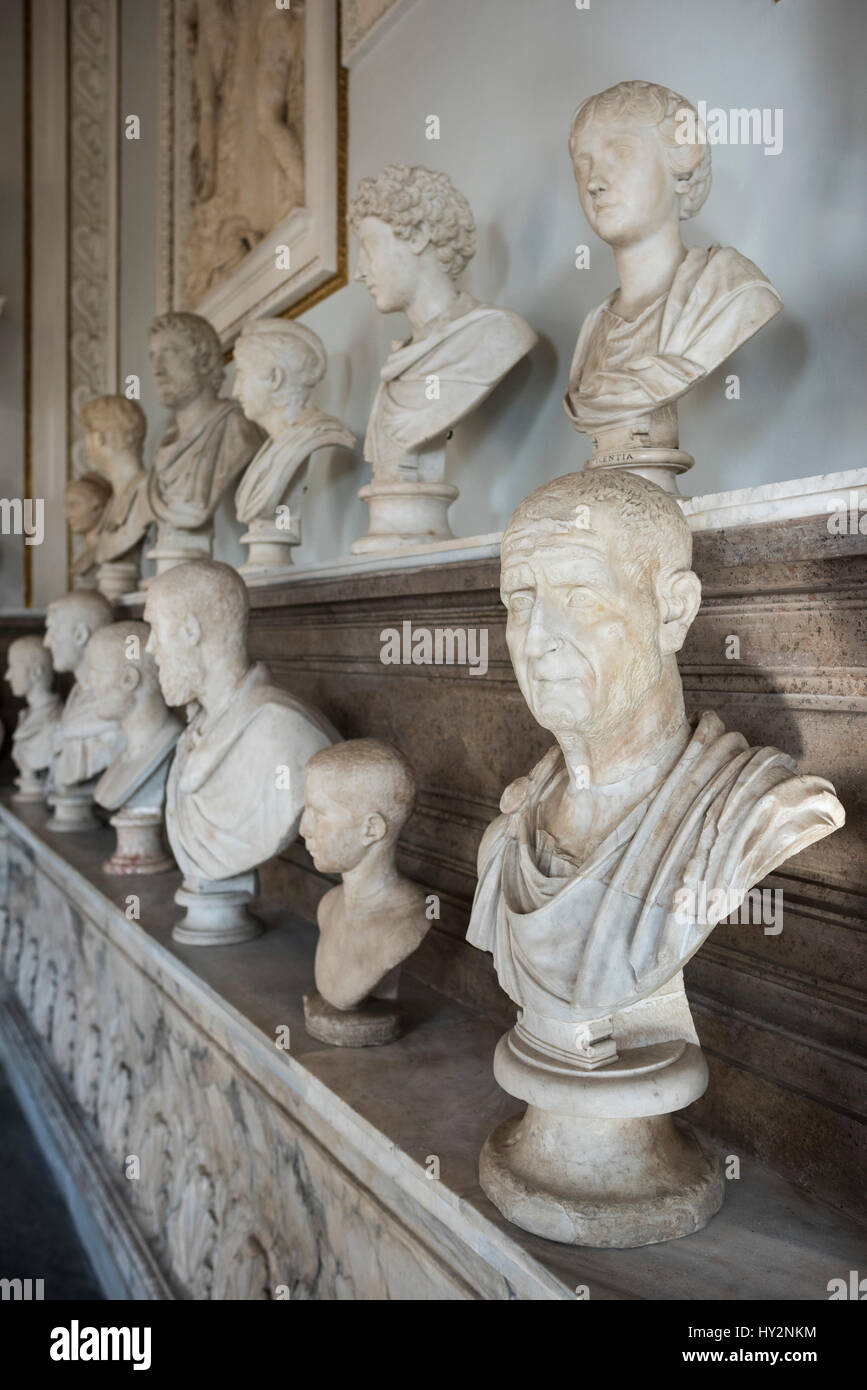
(597,1158)
(217,912)
(660,466)
(29,786)
(373,1022)
(269,546)
(116,578)
(405,514)
(141,846)
(175,546)
(72,809)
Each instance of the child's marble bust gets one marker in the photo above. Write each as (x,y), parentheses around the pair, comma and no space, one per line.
(358,797)
(677,313)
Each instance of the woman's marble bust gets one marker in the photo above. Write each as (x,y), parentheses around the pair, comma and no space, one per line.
(677,312)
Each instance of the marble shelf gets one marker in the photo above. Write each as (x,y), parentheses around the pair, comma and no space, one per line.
(327,1149)
(791,500)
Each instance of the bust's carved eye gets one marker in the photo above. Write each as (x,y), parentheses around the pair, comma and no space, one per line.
(579,597)
(519,602)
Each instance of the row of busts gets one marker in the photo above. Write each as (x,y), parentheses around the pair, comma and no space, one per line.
(227,791)
(676,315)
(610,862)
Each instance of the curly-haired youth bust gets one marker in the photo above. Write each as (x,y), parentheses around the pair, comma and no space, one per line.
(416,234)
(204,449)
(678,313)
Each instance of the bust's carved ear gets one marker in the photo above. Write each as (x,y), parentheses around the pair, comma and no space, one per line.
(81,634)
(190,630)
(420,238)
(375,828)
(131,677)
(679,594)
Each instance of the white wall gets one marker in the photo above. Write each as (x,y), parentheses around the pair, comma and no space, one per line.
(504,76)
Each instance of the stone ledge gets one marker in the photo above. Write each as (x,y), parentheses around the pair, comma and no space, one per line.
(374,1116)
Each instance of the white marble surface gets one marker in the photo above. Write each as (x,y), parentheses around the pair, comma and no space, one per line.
(754,506)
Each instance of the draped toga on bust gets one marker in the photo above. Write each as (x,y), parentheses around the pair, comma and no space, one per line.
(622,369)
(227,807)
(572,941)
(192,471)
(467,353)
(266,480)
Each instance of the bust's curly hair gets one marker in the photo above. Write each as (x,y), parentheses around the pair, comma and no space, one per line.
(410,197)
(198,334)
(651,529)
(648,104)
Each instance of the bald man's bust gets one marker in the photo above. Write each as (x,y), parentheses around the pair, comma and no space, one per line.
(611,862)
(585,877)
(236,787)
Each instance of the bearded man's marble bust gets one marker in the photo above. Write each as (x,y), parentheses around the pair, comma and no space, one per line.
(235,791)
(278,363)
(85,742)
(677,313)
(30,674)
(590,893)
(203,451)
(358,797)
(120,676)
(416,234)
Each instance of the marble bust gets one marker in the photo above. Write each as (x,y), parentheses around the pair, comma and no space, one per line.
(30,675)
(114,432)
(590,893)
(277,365)
(85,500)
(235,791)
(677,313)
(358,797)
(209,443)
(86,742)
(416,234)
(120,676)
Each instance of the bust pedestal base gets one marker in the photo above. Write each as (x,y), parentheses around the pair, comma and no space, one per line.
(29,786)
(217,912)
(117,577)
(660,466)
(270,547)
(405,514)
(373,1022)
(597,1159)
(175,546)
(141,847)
(72,809)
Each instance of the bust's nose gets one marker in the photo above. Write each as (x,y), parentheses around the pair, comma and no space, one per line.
(596,182)
(541,632)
